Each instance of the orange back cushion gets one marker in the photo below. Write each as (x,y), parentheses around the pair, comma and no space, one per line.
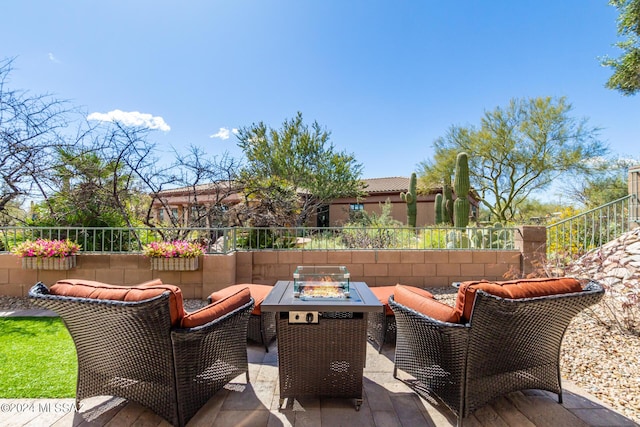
(96,290)
(384,292)
(513,289)
(258,293)
(425,304)
(217,309)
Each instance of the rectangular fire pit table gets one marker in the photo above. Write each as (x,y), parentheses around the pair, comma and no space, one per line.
(321,342)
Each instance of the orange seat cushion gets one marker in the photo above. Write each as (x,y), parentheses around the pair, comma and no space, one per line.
(423,302)
(96,290)
(384,292)
(217,309)
(258,293)
(513,289)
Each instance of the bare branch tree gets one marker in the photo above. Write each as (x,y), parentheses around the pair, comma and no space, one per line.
(206,183)
(30,134)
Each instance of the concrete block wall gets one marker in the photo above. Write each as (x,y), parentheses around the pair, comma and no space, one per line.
(435,268)
(423,268)
(376,268)
(532,241)
(129,269)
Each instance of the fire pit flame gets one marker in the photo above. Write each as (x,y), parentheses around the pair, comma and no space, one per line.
(321,283)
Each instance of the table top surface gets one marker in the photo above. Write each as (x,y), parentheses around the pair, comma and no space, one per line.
(361,300)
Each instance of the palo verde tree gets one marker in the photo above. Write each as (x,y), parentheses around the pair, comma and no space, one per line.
(295,169)
(517,151)
(605,186)
(81,192)
(626,68)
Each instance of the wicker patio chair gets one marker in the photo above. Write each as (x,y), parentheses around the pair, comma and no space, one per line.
(131,349)
(508,345)
(381,326)
(262,325)
(381,329)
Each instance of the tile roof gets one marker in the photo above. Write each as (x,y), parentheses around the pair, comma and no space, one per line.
(372,185)
(385,185)
(212,186)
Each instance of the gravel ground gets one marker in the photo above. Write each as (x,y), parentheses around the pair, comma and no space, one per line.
(604,362)
(601,361)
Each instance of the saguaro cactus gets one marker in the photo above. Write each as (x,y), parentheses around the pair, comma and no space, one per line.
(411,199)
(438,208)
(447,202)
(461,186)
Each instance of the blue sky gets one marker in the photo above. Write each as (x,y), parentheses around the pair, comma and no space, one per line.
(385,77)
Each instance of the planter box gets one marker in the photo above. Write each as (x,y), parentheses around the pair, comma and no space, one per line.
(174,264)
(34,263)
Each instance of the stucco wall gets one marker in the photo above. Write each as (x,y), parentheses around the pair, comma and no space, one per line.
(339,212)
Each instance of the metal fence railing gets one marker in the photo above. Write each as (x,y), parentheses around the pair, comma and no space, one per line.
(634,191)
(223,240)
(577,235)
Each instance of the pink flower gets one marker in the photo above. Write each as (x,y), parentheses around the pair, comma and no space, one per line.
(44,248)
(173,249)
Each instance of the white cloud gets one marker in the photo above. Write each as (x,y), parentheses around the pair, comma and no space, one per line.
(223,133)
(234,131)
(53,58)
(131,118)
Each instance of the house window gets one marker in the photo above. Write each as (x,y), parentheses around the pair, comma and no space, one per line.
(174,213)
(356,207)
(161,215)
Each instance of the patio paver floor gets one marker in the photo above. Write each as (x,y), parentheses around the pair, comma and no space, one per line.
(388,402)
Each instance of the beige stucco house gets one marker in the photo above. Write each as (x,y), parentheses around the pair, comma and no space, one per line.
(181,203)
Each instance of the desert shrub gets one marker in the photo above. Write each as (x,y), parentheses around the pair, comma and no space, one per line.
(266,238)
(372,230)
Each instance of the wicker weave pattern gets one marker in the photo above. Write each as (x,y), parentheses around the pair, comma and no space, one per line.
(262,328)
(508,345)
(381,329)
(126,349)
(323,359)
(208,357)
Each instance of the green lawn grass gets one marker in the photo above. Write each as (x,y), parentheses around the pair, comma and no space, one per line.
(37,358)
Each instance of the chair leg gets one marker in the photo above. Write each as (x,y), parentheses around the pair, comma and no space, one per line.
(559,383)
(383,334)
(263,335)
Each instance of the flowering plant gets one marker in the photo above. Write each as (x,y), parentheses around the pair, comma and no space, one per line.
(174,249)
(45,248)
